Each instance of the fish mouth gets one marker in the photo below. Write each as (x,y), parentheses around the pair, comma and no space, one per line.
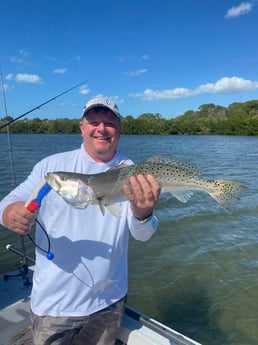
(53,180)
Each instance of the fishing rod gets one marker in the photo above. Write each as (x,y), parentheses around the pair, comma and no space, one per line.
(42,104)
(7,130)
(22,243)
(24,269)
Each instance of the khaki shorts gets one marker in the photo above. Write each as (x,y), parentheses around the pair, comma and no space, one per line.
(100,328)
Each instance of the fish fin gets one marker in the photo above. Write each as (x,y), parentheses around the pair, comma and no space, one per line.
(182,196)
(175,163)
(102,207)
(121,165)
(114,209)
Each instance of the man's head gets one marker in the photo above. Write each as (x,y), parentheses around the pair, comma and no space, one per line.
(100,127)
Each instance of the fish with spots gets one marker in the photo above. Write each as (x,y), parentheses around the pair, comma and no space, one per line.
(106,189)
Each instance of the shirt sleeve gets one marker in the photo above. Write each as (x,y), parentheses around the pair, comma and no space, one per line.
(21,192)
(142,230)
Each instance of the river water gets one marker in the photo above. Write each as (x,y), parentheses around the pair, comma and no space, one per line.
(199,272)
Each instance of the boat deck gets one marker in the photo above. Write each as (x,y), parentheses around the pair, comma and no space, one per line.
(136,328)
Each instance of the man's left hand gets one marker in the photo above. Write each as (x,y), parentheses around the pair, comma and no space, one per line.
(143,193)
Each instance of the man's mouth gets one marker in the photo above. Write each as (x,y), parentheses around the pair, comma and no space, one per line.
(103,138)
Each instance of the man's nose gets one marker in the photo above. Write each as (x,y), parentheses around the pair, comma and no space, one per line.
(101,125)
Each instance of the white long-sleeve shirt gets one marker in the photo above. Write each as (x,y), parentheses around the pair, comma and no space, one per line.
(89,269)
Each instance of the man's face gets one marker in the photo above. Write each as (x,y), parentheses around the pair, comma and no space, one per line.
(100,130)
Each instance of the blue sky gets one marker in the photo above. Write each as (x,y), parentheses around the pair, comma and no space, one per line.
(155,56)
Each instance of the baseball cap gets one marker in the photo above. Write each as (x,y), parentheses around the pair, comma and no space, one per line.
(101,102)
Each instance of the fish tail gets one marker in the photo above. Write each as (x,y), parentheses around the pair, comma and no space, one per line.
(226,193)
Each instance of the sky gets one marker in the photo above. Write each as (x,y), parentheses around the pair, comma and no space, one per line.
(158,56)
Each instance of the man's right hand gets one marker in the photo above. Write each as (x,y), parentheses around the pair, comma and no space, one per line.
(17,218)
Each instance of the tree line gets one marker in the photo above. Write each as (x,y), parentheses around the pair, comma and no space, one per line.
(236,119)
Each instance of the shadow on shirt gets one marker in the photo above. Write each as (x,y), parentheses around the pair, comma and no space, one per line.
(93,263)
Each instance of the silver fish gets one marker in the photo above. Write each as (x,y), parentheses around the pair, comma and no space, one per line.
(106,189)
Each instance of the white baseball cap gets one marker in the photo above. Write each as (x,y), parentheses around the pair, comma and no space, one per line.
(101,102)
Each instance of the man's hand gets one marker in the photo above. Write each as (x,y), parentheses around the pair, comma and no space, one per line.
(17,218)
(143,193)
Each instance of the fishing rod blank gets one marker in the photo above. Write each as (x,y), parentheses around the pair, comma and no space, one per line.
(41,105)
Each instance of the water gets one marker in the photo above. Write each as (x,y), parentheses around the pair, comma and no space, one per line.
(199,272)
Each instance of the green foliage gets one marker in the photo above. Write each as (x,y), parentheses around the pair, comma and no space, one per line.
(237,119)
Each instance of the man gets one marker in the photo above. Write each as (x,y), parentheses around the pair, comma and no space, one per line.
(78,297)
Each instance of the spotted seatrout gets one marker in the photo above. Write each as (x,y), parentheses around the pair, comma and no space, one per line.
(106,189)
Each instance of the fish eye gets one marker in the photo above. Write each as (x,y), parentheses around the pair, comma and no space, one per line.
(63,178)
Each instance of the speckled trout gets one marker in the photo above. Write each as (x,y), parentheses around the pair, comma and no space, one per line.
(106,189)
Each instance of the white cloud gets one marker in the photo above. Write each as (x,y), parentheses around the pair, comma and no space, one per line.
(16,59)
(28,78)
(5,87)
(241,9)
(9,76)
(226,85)
(84,90)
(24,78)
(60,70)
(20,57)
(115,99)
(136,73)
(150,95)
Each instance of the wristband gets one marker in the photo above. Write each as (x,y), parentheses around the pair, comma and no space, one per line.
(146,219)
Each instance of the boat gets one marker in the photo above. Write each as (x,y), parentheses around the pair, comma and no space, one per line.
(15,288)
